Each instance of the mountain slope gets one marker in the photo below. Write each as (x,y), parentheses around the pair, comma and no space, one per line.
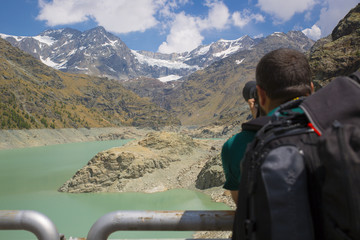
(94,52)
(36,96)
(216,92)
(339,53)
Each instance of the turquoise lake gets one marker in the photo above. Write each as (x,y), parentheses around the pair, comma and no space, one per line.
(30,177)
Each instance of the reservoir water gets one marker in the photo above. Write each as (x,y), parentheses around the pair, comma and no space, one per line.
(30,177)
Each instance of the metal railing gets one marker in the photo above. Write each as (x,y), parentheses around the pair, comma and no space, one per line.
(44,229)
(160,221)
(32,221)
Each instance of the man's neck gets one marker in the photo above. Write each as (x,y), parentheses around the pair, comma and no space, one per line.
(272,105)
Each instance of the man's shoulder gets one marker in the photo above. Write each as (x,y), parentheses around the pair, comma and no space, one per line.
(242,137)
(255,124)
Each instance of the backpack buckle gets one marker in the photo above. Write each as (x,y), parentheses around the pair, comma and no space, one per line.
(249,226)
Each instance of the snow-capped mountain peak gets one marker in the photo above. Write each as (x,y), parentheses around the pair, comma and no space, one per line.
(98,52)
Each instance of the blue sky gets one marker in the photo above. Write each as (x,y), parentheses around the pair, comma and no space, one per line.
(174,25)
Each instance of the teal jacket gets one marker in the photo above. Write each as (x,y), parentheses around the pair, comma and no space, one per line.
(231,155)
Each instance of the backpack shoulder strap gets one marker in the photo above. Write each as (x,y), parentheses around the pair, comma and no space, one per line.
(355,76)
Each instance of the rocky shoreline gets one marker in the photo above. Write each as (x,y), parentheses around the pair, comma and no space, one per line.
(158,161)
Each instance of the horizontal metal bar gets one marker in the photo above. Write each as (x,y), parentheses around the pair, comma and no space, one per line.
(32,221)
(72,238)
(160,221)
(75,238)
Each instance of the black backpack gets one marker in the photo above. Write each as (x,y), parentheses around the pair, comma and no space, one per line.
(296,184)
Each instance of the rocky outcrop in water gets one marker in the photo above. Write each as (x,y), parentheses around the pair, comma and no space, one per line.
(211,175)
(158,162)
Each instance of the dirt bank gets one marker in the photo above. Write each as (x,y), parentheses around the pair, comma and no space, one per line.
(41,137)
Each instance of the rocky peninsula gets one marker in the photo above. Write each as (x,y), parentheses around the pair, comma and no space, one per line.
(157,162)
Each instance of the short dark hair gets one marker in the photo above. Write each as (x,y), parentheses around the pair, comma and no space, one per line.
(284,74)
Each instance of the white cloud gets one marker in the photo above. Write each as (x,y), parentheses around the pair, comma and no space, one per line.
(185,30)
(119,16)
(218,15)
(240,19)
(284,10)
(332,12)
(314,32)
(62,12)
(259,36)
(167,7)
(307,16)
(184,35)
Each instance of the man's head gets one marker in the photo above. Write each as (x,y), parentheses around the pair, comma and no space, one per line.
(282,75)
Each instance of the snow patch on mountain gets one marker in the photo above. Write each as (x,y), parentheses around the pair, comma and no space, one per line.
(277,34)
(50,63)
(45,39)
(203,50)
(17,38)
(227,52)
(42,39)
(170,78)
(239,61)
(160,62)
(82,69)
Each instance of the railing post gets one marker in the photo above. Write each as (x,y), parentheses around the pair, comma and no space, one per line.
(32,221)
(160,221)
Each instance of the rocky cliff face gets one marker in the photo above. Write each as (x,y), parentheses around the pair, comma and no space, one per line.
(338,54)
(212,175)
(159,161)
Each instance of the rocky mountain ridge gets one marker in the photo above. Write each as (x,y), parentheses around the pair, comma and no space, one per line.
(339,53)
(100,53)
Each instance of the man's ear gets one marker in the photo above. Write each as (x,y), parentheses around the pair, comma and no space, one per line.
(312,87)
(262,95)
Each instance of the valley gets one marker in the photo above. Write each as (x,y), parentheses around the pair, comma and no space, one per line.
(41,105)
(65,87)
